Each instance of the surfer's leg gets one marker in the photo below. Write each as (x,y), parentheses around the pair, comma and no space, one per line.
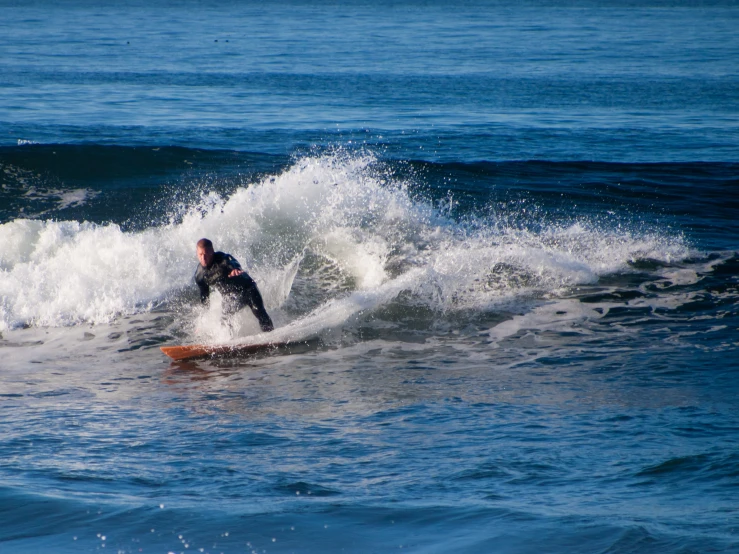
(253,299)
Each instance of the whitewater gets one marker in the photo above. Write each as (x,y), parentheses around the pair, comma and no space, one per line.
(361,238)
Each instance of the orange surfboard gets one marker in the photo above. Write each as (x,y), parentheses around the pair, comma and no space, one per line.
(192,351)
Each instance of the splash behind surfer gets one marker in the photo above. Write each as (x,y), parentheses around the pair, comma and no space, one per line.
(222,272)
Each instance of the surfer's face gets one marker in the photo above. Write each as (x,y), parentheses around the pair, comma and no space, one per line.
(205,256)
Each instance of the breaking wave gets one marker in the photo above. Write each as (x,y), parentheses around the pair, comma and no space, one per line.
(326,238)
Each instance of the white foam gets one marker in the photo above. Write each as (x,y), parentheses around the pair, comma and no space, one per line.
(561,315)
(337,207)
(73,198)
(59,273)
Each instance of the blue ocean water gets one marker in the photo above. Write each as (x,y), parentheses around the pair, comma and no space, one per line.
(498,239)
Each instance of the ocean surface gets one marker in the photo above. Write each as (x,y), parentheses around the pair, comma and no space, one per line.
(499,241)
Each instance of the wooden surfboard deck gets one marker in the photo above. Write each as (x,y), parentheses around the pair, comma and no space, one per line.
(192,351)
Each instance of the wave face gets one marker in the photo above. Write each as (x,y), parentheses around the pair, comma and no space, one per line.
(324,227)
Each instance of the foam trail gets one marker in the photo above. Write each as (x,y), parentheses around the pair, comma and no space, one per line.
(335,313)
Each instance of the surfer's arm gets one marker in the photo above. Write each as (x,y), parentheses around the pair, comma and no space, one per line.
(203,286)
(233,265)
(204,292)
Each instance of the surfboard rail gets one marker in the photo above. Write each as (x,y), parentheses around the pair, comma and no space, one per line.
(194,351)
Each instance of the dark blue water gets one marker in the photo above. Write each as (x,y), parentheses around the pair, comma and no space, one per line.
(498,240)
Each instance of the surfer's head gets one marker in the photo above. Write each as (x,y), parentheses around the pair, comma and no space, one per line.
(205,252)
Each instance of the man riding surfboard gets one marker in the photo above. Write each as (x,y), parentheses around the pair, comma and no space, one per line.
(222,272)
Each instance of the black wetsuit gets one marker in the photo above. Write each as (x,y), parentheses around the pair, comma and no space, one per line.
(237,292)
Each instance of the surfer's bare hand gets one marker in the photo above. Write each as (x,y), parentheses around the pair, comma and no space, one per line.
(235,272)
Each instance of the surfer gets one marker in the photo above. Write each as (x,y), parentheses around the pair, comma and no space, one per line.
(224,273)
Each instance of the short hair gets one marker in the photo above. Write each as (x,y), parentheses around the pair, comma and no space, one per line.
(205,243)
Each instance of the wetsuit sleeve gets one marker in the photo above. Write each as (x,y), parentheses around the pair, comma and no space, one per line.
(203,286)
(232,263)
